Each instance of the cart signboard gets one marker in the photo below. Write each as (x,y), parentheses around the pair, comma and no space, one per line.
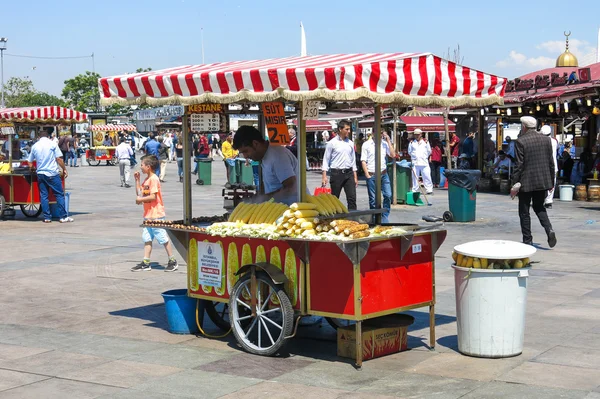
(276,124)
(210,264)
(6,128)
(207,118)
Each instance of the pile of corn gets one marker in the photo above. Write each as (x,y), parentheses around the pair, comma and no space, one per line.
(267,212)
(327,204)
(300,220)
(484,263)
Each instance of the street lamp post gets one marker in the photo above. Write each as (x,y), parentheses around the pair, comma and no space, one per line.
(3,41)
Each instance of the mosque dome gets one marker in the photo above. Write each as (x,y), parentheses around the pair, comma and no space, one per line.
(567,59)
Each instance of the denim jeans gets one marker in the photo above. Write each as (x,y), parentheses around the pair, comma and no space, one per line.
(180,166)
(72,161)
(386,190)
(54,183)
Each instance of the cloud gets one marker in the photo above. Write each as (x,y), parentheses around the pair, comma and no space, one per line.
(518,59)
(577,47)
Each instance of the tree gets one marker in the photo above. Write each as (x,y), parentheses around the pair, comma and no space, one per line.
(81,92)
(20,92)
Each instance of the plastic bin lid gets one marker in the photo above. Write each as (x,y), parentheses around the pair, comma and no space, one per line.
(496,249)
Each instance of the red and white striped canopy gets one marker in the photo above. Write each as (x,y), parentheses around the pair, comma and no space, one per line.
(112,128)
(42,115)
(404,78)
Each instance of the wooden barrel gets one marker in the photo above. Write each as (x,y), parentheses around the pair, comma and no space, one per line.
(485,185)
(505,186)
(581,192)
(594,193)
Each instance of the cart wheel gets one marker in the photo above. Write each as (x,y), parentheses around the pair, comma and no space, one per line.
(218,312)
(31,210)
(2,205)
(92,162)
(337,323)
(448,216)
(200,182)
(266,333)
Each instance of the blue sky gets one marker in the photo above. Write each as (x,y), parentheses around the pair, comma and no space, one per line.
(507,38)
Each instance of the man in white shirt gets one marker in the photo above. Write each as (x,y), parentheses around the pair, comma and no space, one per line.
(546,130)
(367,158)
(502,164)
(340,161)
(168,142)
(278,164)
(420,150)
(124,152)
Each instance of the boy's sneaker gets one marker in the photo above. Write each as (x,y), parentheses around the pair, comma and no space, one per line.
(172,265)
(140,267)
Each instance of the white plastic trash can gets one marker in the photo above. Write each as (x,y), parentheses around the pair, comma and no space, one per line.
(566,192)
(491,303)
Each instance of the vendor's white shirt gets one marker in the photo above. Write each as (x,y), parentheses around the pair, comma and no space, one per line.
(325,135)
(278,165)
(554,152)
(368,154)
(419,152)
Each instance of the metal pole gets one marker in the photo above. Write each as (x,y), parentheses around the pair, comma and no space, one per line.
(447,137)
(481,140)
(378,155)
(393,177)
(2,105)
(301,148)
(187,168)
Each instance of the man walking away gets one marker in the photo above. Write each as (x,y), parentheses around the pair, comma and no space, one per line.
(546,130)
(124,154)
(533,176)
(419,151)
(340,161)
(47,157)
(368,164)
(436,161)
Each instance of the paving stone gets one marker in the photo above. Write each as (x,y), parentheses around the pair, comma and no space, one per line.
(551,375)
(252,366)
(285,391)
(12,352)
(135,394)
(12,379)
(182,356)
(55,388)
(52,363)
(114,347)
(334,375)
(569,356)
(409,385)
(504,390)
(120,373)
(196,383)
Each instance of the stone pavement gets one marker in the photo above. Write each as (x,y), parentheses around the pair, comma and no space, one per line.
(76,323)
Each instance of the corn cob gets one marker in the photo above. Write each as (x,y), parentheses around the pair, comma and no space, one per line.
(193,265)
(275,260)
(360,234)
(302,205)
(305,213)
(319,228)
(309,232)
(298,222)
(292,275)
(257,211)
(236,211)
(287,214)
(329,209)
(380,229)
(337,222)
(289,232)
(266,212)
(337,204)
(292,221)
(307,226)
(233,265)
(320,208)
(261,255)
(220,290)
(207,288)
(246,260)
(355,229)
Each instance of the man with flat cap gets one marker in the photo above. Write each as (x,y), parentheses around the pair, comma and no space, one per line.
(546,130)
(533,176)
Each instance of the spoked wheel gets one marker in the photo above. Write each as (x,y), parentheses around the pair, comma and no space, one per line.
(93,161)
(113,161)
(31,210)
(2,205)
(337,323)
(218,312)
(263,334)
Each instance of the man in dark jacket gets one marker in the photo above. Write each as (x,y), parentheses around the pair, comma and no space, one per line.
(534,171)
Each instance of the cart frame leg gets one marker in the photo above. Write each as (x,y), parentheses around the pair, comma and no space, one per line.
(432,327)
(359,350)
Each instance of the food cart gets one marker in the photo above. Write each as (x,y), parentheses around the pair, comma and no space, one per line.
(98,152)
(18,128)
(269,283)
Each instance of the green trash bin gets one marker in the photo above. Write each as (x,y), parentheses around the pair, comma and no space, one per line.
(402,180)
(462,195)
(246,176)
(234,172)
(204,172)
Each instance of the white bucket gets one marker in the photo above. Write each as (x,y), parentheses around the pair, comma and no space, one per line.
(490,311)
(566,192)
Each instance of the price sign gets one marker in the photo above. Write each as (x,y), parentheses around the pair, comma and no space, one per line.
(205,122)
(310,110)
(7,128)
(274,113)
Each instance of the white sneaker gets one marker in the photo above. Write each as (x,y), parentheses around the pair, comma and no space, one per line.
(66,220)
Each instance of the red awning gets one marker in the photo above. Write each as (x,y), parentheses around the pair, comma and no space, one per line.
(420,79)
(410,123)
(314,125)
(42,115)
(112,128)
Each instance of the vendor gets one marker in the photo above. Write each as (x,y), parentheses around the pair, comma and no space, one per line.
(502,163)
(279,165)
